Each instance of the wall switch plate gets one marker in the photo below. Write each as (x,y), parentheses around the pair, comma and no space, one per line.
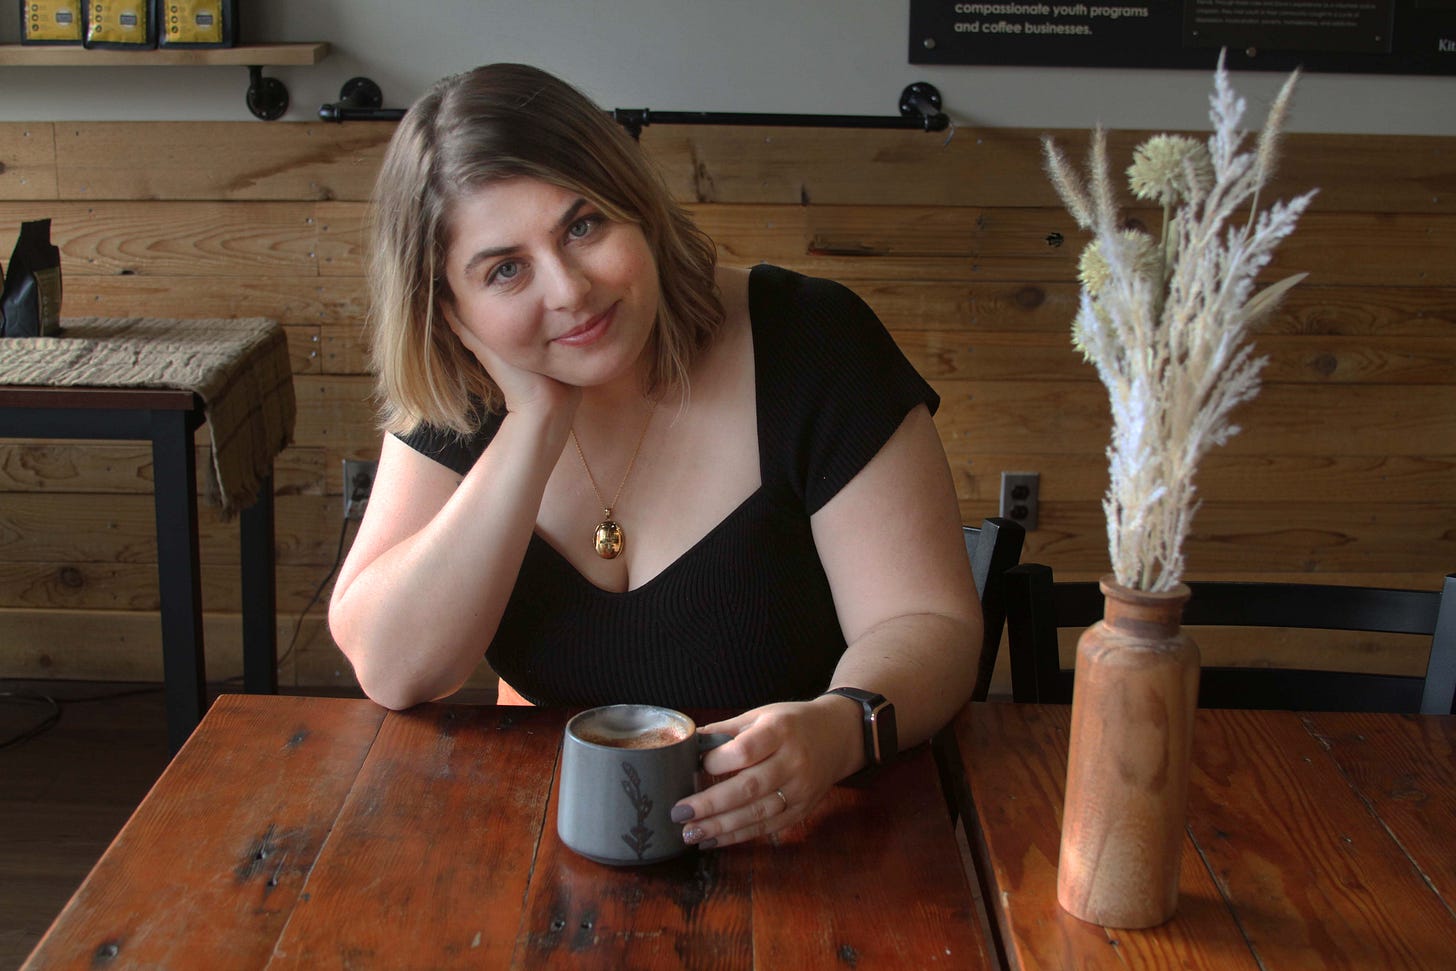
(358,483)
(1018,497)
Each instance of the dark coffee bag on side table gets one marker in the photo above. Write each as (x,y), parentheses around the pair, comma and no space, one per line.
(30,302)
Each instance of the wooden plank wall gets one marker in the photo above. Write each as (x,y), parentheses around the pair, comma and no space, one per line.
(1345,472)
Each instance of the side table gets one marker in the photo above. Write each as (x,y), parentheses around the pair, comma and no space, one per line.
(168,417)
(159,380)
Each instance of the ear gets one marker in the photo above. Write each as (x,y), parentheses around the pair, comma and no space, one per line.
(446,306)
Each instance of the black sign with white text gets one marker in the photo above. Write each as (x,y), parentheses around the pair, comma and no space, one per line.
(1346,36)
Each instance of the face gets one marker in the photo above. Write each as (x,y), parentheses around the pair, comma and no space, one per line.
(547,282)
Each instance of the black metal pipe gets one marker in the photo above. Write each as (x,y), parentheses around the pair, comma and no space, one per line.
(339,112)
(642,117)
(919,110)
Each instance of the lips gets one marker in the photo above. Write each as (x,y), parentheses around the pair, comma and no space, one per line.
(590,331)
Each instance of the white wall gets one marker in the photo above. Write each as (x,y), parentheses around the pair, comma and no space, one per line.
(801,56)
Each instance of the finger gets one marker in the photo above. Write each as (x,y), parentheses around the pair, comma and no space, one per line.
(757,736)
(714,803)
(730,757)
(730,726)
(762,816)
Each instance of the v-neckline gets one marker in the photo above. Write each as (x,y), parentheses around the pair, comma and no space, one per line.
(538,540)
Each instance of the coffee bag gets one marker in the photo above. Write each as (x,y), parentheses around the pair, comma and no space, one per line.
(30,298)
(120,24)
(196,23)
(51,22)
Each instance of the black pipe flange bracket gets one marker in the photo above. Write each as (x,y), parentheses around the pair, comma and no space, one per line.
(360,99)
(267,97)
(922,100)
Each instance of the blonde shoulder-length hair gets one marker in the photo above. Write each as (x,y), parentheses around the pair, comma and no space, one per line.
(497,122)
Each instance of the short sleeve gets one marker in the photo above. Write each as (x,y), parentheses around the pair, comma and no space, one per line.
(833,385)
(451,449)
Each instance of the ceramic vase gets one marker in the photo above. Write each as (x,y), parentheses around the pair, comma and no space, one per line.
(1127,770)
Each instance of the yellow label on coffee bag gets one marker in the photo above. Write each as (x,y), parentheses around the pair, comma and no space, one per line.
(192,21)
(117,22)
(60,21)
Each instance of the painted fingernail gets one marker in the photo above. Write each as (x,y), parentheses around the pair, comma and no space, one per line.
(692,834)
(681,814)
(708,844)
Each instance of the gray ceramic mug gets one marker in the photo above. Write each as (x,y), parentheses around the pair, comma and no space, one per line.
(623,768)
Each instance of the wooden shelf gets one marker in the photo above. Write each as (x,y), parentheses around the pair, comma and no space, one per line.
(256,55)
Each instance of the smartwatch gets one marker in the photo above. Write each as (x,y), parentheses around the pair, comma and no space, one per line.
(880,739)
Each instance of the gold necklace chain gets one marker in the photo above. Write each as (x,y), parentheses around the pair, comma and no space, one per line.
(609,540)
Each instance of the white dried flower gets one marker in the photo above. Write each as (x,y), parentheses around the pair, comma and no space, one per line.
(1167,169)
(1142,254)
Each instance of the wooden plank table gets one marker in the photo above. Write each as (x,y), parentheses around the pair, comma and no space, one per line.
(168,417)
(328,833)
(1314,840)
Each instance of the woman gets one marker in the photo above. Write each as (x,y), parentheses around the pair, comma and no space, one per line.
(630,475)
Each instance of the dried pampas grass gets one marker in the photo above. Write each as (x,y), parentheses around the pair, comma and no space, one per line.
(1165,321)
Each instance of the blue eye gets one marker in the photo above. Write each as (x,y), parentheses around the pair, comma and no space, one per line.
(583,226)
(505,272)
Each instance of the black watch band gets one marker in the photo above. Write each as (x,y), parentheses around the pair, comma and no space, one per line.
(881,741)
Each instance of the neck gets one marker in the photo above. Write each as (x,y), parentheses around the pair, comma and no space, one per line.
(618,403)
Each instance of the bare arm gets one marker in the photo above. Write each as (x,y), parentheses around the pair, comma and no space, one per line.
(891,546)
(430,572)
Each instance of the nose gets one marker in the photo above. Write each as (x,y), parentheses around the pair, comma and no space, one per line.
(566,284)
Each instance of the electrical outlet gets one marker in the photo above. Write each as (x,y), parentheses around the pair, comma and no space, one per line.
(358,482)
(1018,497)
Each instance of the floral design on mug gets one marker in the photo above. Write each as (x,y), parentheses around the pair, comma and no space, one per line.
(639,837)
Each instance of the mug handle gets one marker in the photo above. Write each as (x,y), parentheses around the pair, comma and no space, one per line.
(707,741)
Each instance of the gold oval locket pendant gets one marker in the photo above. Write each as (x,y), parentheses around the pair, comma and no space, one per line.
(608,540)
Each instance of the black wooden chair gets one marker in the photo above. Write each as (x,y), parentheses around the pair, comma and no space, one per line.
(994,547)
(1036,606)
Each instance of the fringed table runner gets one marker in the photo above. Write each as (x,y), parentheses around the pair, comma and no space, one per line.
(238,367)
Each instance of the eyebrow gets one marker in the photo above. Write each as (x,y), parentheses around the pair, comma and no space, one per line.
(567,218)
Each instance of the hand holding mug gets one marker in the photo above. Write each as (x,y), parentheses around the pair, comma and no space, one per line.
(783,759)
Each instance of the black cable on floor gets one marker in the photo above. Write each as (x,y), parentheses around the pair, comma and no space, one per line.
(47,721)
(54,706)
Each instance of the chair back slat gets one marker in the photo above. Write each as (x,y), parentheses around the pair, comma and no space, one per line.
(1439,692)
(1037,606)
(1313,606)
(993,547)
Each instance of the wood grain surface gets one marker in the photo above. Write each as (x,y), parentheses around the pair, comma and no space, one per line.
(326,833)
(1345,468)
(1309,842)
(250,805)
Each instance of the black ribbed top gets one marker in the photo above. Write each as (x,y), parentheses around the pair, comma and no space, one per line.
(745,616)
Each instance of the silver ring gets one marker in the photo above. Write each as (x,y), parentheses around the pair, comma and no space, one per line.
(780,794)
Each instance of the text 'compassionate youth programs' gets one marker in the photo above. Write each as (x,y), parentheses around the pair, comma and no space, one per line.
(1072,19)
